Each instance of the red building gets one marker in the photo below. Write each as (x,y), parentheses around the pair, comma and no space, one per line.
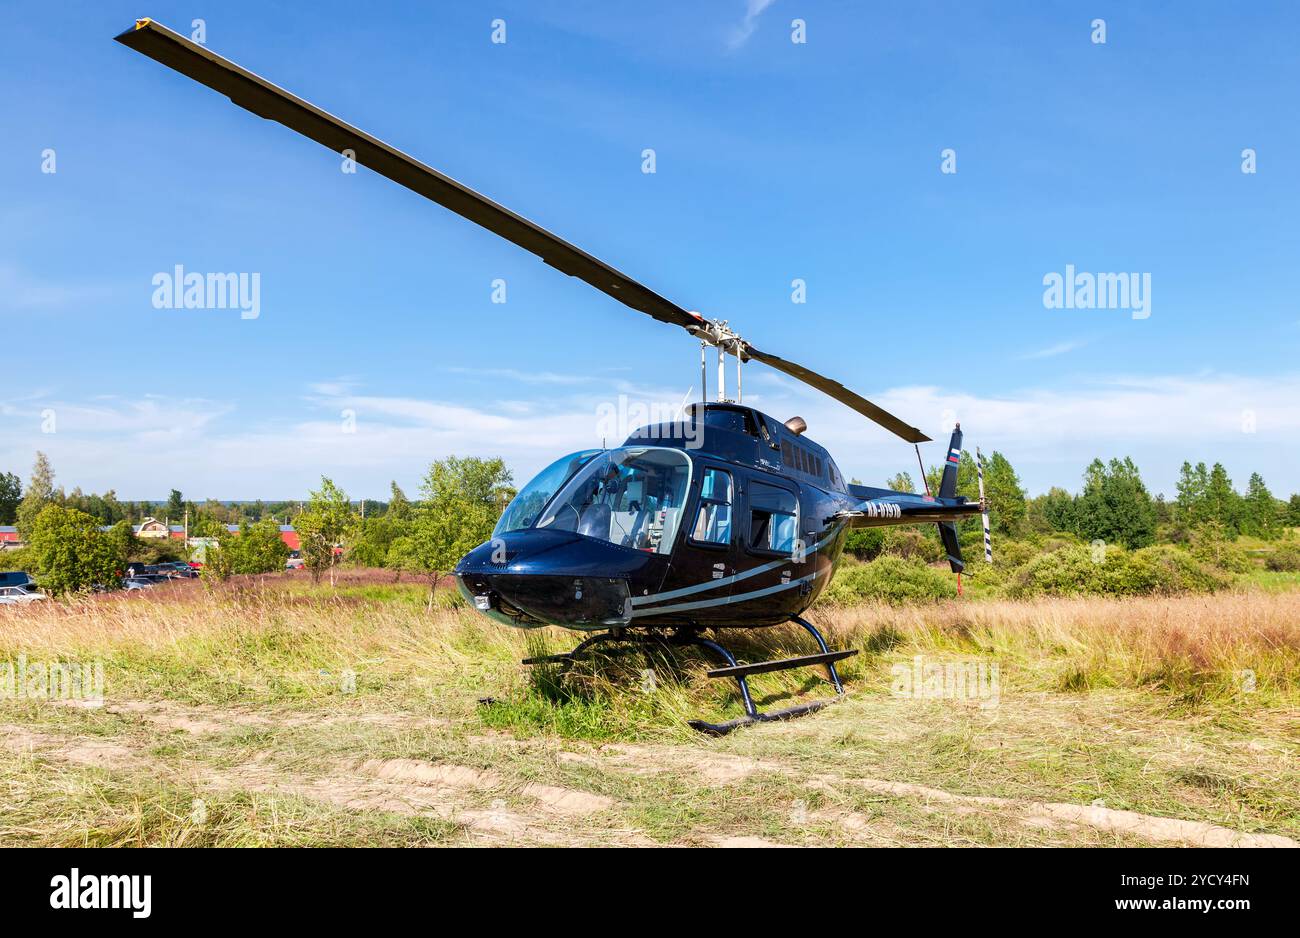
(287,534)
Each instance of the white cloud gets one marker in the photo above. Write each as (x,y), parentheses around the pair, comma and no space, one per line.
(1050,434)
(1051,351)
(142,448)
(145,447)
(527,377)
(740,34)
(24,292)
(149,418)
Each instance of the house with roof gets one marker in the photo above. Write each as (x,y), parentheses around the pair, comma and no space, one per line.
(9,536)
(287,534)
(151,527)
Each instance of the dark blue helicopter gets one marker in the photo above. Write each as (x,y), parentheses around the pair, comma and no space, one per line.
(724,519)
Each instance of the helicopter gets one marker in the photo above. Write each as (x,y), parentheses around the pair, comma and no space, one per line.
(723,519)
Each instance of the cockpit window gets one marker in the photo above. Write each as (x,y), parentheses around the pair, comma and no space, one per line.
(528,504)
(631,496)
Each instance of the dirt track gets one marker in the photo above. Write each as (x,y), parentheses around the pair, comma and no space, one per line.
(532,798)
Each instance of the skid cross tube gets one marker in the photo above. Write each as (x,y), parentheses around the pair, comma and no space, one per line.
(731,669)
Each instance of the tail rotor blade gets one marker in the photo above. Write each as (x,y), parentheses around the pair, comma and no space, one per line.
(984,511)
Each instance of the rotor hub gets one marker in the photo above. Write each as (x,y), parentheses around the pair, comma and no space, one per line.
(717,333)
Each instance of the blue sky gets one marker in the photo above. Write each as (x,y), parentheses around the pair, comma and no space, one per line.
(378,348)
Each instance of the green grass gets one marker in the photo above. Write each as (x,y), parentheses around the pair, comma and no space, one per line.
(1271,581)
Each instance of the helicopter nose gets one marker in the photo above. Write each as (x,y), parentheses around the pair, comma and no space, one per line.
(534,578)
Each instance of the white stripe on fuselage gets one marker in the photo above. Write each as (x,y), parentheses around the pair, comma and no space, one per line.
(725,600)
(726,580)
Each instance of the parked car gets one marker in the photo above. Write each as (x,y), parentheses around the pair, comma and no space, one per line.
(19,595)
(294,563)
(136,583)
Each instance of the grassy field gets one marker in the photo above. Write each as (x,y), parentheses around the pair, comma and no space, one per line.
(272,711)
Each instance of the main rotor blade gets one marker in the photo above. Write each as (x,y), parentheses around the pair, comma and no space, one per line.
(841,394)
(269,101)
(266,100)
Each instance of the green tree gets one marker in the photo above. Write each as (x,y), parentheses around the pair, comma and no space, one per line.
(374,538)
(124,542)
(1291,515)
(322,526)
(1190,505)
(175,506)
(69,551)
(1222,503)
(1115,506)
(1004,494)
(459,506)
(399,506)
(217,565)
(902,482)
(1164,511)
(204,525)
(1053,511)
(402,557)
(1002,491)
(11,494)
(1259,514)
(258,548)
(40,492)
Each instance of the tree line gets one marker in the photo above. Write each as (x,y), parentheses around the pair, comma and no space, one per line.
(1114,505)
(460,500)
(19,505)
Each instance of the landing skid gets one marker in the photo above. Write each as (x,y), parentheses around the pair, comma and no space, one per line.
(732,669)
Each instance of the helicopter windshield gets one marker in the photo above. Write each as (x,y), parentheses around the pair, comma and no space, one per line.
(532,498)
(631,496)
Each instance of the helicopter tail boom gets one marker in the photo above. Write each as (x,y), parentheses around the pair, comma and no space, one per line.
(880,507)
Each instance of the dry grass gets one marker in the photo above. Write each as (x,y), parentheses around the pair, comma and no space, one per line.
(1200,645)
(240,698)
(1213,645)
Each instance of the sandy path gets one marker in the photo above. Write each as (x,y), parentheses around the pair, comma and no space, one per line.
(553,813)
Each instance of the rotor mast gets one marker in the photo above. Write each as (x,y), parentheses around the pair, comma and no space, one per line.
(717,333)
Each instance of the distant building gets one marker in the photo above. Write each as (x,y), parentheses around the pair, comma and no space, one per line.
(287,534)
(290,536)
(9,536)
(152,527)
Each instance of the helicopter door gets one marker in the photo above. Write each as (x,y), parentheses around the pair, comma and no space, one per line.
(708,551)
(772,539)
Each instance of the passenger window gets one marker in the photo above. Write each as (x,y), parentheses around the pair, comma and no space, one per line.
(713,521)
(773,518)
